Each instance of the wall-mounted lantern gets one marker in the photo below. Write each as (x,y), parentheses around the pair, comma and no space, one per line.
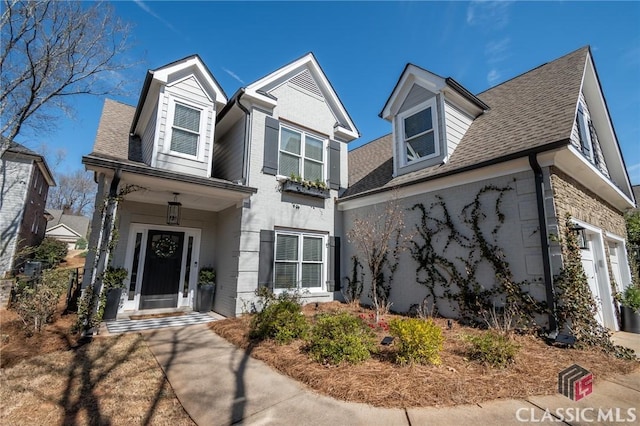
(173,210)
(581,236)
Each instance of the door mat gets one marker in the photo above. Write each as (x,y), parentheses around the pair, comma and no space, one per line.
(151,316)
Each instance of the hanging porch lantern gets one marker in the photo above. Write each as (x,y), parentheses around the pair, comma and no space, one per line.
(173,210)
(581,236)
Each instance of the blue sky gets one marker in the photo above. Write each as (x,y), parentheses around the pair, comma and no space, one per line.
(364,46)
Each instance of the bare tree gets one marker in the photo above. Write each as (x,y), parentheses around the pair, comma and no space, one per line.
(75,191)
(380,236)
(51,50)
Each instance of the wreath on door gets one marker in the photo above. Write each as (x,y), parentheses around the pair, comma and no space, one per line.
(165,247)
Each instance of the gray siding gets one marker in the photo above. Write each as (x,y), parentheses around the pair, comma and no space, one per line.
(519,238)
(15,181)
(148,137)
(229,153)
(457,123)
(416,96)
(227,276)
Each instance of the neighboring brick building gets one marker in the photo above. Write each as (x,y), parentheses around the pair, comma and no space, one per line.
(25,179)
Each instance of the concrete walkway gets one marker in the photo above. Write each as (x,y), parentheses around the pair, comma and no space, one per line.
(219,384)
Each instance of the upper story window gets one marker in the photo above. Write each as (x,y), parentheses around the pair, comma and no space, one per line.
(301,155)
(185,131)
(299,261)
(419,133)
(587,136)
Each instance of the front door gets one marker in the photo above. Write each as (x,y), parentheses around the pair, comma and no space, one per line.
(163,262)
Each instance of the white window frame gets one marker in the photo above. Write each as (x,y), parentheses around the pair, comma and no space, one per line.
(201,129)
(431,103)
(584,134)
(302,157)
(300,262)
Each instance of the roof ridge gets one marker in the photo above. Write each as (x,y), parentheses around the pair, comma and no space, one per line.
(587,47)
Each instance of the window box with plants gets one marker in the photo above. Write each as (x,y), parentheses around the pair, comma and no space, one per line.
(206,289)
(629,301)
(298,185)
(112,287)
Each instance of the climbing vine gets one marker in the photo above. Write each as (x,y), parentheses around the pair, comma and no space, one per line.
(576,305)
(354,288)
(454,277)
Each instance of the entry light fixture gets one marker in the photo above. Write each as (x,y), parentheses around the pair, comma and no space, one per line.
(173,210)
(581,235)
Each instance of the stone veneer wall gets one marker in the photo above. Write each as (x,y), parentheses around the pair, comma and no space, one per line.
(571,197)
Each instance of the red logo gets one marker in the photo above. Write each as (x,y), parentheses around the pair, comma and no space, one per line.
(575,382)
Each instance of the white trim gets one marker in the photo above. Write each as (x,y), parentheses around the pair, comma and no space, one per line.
(302,157)
(325,258)
(430,103)
(162,75)
(202,130)
(144,228)
(623,258)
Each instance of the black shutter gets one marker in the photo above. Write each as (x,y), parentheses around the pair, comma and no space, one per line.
(266,258)
(334,165)
(271,136)
(333,283)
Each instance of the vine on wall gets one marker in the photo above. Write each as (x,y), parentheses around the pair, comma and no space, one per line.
(455,278)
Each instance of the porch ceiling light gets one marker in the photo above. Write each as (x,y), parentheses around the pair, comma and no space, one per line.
(581,235)
(173,210)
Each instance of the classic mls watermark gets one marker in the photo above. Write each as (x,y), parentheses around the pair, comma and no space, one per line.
(575,382)
(577,414)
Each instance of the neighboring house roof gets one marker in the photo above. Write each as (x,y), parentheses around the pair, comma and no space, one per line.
(76,223)
(62,231)
(529,113)
(19,149)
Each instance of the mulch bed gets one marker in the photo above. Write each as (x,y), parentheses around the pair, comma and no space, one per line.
(458,380)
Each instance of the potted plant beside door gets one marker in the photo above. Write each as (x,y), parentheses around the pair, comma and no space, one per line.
(112,288)
(206,289)
(630,308)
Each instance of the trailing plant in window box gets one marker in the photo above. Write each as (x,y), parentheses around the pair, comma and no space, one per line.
(314,189)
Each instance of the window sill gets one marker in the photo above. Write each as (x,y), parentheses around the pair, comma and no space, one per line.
(302,189)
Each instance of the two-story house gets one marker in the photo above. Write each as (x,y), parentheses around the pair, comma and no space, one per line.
(189,179)
(545,143)
(25,179)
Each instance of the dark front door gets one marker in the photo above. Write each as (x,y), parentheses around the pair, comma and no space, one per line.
(161,279)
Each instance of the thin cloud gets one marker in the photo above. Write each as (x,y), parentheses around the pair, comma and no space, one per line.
(633,167)
(147,9)
(489,14)
(233,74)
(497,50)
(493,76)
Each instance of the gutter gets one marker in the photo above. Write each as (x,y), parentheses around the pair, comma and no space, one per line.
(247,127)
(544,243)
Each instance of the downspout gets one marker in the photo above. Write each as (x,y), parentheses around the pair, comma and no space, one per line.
(544,243)
(245,156)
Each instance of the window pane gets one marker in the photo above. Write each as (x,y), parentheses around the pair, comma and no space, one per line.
(289,164)
(313,148)
(312,249)
(287,247)
(185,142)
(417,123)
(312,170)
(421,147)
(286,275)
(290,141)
(311,273)
(187,118)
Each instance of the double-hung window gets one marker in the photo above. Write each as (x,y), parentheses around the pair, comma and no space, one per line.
(299,261)
(301,154)
(185,130)
(419,132)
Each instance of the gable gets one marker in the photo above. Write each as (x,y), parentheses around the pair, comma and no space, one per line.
(62,231)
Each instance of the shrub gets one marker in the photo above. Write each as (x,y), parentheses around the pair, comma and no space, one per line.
(36,302)
(630,298)
(114,277)
(81,244)
(418,341)
(51,251)
(492,348)
(281,320)
(338,337)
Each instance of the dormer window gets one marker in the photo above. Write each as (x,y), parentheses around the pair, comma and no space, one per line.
(419,133)
(185,131)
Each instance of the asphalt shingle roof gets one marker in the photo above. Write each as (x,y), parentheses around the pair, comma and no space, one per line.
(112,139)
(530,111)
